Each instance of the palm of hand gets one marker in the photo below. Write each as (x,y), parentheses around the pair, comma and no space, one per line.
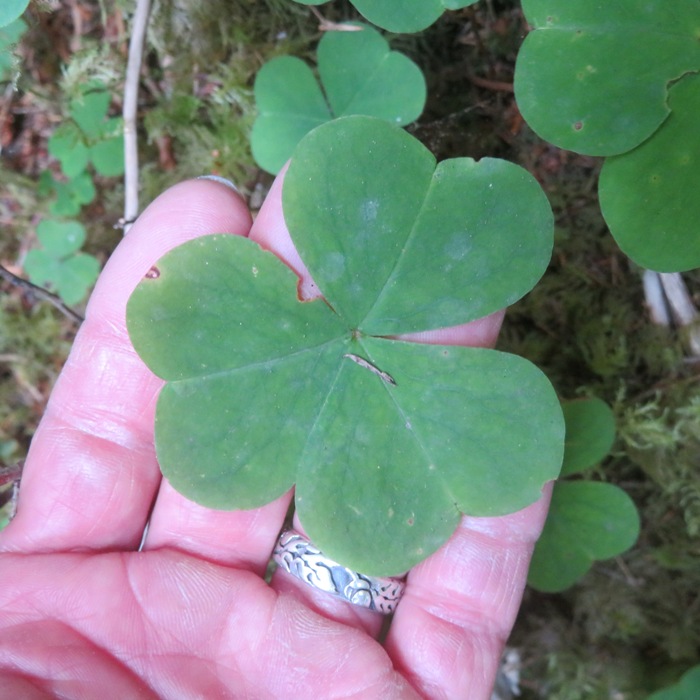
(84,615)
(168,625)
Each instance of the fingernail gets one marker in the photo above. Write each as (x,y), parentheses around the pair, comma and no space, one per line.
(220,180)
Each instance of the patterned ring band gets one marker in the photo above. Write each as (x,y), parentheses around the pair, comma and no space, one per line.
(296,555)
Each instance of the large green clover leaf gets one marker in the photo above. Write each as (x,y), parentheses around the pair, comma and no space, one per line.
(596,81)
(360,75)
(401,15)
(588,521)
(387,441)
(58,264)
(593,79)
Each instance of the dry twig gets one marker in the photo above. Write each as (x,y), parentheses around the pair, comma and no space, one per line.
(40,293)
(129,112)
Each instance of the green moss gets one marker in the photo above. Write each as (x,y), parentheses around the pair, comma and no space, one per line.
(662,437)
(204,111)
(618,633)
(34,342)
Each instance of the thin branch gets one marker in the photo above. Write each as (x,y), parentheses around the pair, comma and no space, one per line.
(40,293)
(129,112)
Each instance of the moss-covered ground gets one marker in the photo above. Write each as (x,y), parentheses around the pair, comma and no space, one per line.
(632,623)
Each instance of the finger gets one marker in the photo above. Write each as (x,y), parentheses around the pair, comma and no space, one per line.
(240,538)
(91,473)
(271,232)
(322,602)
(483,333)
(460,604)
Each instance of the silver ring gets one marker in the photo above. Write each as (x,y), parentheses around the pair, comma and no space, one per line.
(296,555)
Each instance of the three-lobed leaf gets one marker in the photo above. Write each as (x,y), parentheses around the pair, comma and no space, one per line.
(107,154)
(587,521)
(60,238)
(621,82)
(71,195)
(89,112)
(360,75)
(404,244)
(77,274)
(594,80)
(387,441)
(70,277)
(68,146)
(401,15)
(90,136)
(57,264)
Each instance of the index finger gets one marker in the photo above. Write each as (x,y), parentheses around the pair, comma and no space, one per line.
(460,604)
(450,627)
(91,473)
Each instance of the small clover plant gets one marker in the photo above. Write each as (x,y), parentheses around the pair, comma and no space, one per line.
(401,15)
(687,688)
(58,264)
(69,196)
(587,521)
(360,74)
(387,441)
(617,81)
(89,136)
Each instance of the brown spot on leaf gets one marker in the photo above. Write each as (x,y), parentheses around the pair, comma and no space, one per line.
(153,273)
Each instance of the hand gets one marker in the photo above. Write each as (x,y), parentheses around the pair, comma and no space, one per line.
(83,614)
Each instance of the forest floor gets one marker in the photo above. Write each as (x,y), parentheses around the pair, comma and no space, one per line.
(633,623)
